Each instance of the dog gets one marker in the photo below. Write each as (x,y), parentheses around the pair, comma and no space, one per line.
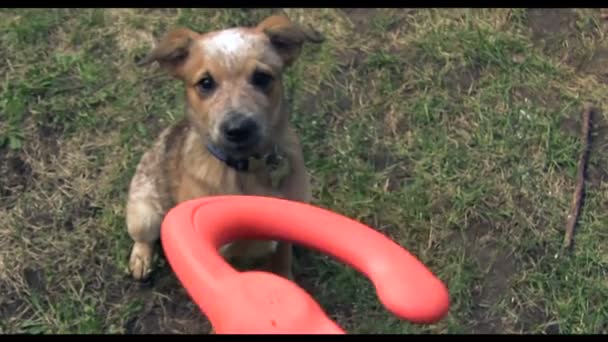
(235,137)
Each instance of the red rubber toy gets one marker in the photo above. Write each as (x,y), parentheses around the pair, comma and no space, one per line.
(256,302)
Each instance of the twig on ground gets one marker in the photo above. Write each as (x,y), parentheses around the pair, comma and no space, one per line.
(577,198)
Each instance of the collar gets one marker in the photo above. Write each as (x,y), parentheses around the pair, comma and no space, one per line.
(241,164)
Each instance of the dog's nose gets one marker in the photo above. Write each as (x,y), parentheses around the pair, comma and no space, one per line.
(239,129)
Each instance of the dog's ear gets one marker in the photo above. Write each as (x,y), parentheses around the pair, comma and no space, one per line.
(287,37)
(172,51)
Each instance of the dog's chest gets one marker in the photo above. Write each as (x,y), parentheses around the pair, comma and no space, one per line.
(251,249)
(214,178)
(195,186)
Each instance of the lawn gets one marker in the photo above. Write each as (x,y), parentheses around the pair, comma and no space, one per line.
(455,132)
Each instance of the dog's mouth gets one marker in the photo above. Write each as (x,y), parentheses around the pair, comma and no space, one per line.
(227,150)
(237,150)
(237,157)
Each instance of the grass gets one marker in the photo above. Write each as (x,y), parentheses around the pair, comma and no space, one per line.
(455,132)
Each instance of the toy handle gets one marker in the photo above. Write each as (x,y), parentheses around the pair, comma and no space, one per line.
(403,284)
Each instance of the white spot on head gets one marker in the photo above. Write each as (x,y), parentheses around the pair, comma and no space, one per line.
(234,46)
(229,42)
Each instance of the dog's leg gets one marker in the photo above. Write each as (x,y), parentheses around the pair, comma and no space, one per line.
(281,260)
(143,224)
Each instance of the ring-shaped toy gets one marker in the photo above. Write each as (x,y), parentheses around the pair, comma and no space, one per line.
(256,302)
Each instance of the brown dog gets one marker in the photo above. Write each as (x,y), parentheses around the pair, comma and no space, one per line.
(235,138)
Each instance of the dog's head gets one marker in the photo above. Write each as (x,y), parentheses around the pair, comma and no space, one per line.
(233,79)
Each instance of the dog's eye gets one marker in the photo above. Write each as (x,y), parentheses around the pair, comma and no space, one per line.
(261,79)
(206,84)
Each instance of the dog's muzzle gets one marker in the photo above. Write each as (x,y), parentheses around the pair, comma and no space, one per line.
(240,131)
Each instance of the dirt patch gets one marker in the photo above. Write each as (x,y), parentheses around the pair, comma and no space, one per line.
(571,125)
(493,286)
(550,26)
(556,31)
(534,315)
(548,22)
(548,98)
(352,58)
(48,131)
(531,315)
(11,304)
(15,176)
(34,279)
(378,28)
(463,80)
(496,266)
(175,314)
(598,65)
(167,307)
(597,174)
(360,16)
(397,170)
(599,144)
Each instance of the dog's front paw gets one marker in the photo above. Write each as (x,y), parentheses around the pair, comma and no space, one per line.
(140,263)
(289,275)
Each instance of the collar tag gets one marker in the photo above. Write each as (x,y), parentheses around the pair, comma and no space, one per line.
(275,164)
(237,164)
(278,169)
